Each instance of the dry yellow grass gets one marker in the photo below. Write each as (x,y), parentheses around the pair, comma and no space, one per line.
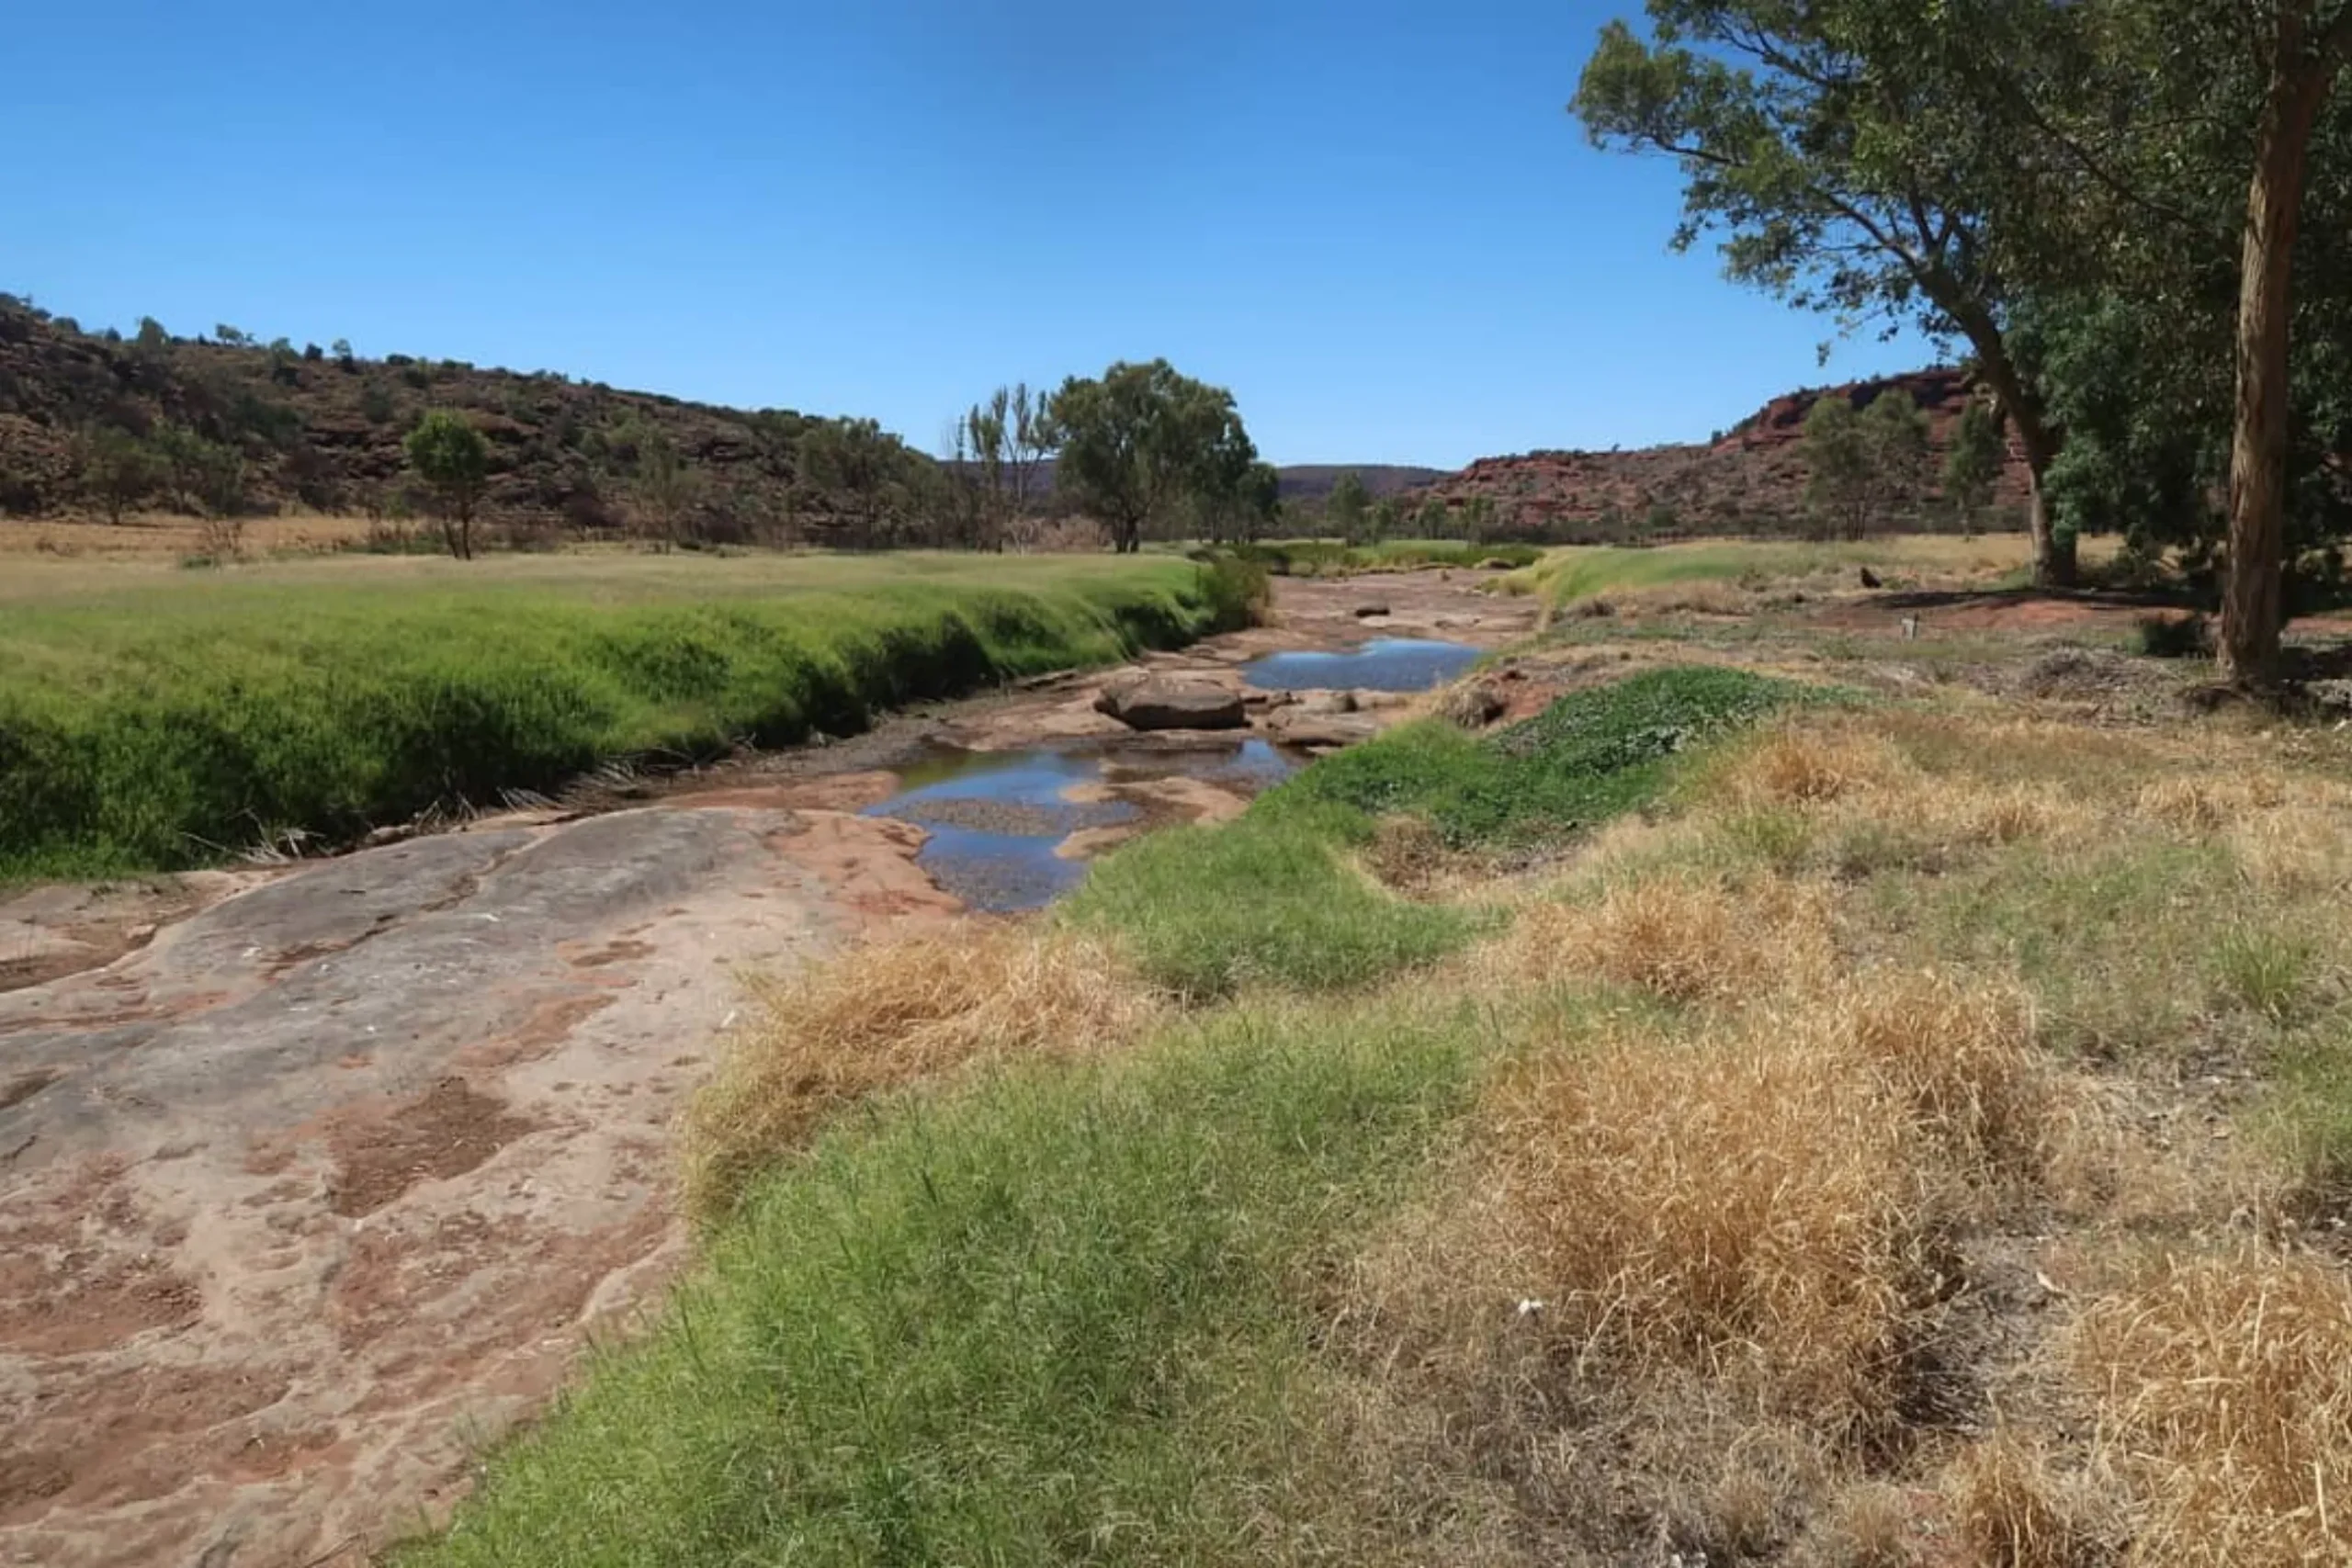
(165,538)
(2012,1509)
(1757,1207)
(892,1014)
(1683,937)
(2299,851)
(2225,1382)
(1960,1055)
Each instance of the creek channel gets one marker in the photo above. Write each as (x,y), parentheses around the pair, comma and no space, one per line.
(1012,829)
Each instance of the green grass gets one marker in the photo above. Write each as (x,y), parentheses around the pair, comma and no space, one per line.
(151,724)
(1563,576)
(1054,1318)
(1272,897)
(1267,900)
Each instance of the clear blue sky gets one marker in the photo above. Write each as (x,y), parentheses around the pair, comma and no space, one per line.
(1374,221)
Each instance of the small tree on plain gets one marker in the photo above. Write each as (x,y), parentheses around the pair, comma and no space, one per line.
(1346,512)
(1896,435)
(664,490)
(119,469)
(1143,445)
(451,456)
(1864,465)
(1974,464)
(1836,454)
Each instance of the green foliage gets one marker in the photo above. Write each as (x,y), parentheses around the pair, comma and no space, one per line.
(868,471)
(1972,465)
(376,403)
(1590,756)
(1862,467)
(1052,1319)
(452,458)
(119,469)
(199,470)
(1142,442)
(1344,511)
(2266,969)
(1238,591)
(136,735)
(1265,900)
(663,488)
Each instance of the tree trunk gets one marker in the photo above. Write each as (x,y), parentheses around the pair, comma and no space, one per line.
(2253,598)
(2056,560)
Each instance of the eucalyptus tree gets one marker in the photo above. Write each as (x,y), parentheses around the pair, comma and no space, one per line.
(1878,161)
(1142,443)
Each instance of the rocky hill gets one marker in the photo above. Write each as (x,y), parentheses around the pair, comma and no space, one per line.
(273,426)
(265,427)
(1749,479)
(225,424)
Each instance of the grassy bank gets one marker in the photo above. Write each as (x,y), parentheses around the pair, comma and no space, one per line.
(1566,576)
(154,720)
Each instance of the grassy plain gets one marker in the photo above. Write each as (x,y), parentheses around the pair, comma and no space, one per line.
(154,718)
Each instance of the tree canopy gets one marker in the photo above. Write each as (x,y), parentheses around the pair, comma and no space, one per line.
(452,458)
(1141,441)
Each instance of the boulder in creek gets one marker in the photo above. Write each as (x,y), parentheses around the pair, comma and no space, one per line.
(1173,702)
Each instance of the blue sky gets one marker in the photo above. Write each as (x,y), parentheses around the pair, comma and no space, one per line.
(1374,221)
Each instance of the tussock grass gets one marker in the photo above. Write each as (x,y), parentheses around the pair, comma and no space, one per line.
(1681,938)
(1268,900)
(890,1014)
(2225,1382)
(1824,1163)
(2012,1507)
(146,726)
(1749,1208)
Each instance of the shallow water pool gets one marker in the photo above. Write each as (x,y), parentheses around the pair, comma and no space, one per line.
(1385,664)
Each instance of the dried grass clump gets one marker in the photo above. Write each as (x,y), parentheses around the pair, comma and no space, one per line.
(1809,766)
(1868,1525)
(2228,1381)
(2300,850)
(2012,1509)
(1409,854)
(1962,1055)
(1685,938)
(1752,1208)
(883,1016)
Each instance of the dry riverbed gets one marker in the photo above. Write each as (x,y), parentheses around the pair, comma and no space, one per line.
(318,1175)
